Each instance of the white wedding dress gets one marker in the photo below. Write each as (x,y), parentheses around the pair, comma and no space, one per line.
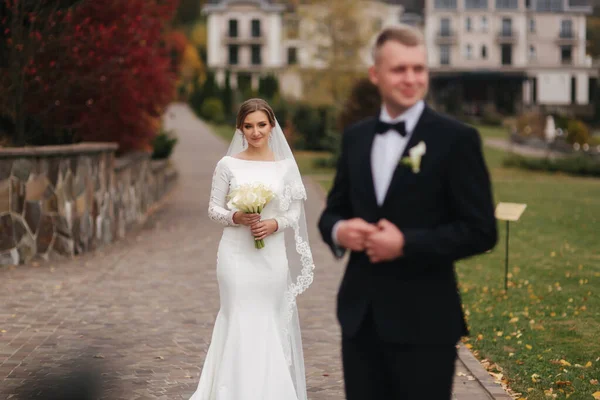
(247,359)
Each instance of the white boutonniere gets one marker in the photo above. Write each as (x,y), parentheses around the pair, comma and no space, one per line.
(414,157)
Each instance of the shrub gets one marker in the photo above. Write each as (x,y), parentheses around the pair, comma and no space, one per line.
(578,132)
(491,117)
(311,127)
(531,124)
(268,87)
(227,96)
(364,101)
(162,145)
(577,165)
(88,69)
(212,110)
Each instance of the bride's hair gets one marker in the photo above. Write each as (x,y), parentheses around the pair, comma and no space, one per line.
(252,105)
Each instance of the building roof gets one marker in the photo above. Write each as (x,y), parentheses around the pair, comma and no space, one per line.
(221,5)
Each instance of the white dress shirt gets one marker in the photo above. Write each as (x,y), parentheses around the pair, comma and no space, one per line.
(386,151)
(388,148)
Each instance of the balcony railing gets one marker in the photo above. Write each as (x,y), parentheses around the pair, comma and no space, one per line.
(507,36)
(566,35)
(446,36)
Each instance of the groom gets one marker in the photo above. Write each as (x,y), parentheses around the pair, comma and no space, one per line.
(406,220)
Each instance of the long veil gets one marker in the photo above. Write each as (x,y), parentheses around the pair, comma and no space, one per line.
(300,260)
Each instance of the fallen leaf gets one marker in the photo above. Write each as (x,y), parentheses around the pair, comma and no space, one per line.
(535,378)
(528,346)
(594,381)
(596,395)
(563,383)
(565,363)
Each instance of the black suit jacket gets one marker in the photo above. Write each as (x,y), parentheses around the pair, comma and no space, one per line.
(446,213)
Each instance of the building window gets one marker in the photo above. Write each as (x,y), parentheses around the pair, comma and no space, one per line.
(533,90)
(484,52)
(445,27)
(292,28)
(445,4)
(468,24)
(549,5)
(506,27)
(468,52)
(566,28)
(256,59)
(592,84)
(573,90)
(484,24)
(531,25)
(580,3)
(506,54)
(322,53)
(445,54)
(566,55)
(255,28)
(233,28)
(528,4)
(507,4)
(476,4)
(292,56)
(233,54)
(532,55)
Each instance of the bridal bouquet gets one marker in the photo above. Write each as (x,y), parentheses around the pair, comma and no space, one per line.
(251,198)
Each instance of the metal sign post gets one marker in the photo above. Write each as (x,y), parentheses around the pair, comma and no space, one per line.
(508,212)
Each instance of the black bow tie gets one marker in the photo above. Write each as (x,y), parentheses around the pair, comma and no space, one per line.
(383,127)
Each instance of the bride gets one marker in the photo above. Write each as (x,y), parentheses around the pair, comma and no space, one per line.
(256,348)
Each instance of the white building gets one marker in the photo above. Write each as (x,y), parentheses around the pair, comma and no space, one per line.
(514,54)
(510,54)
(254,38)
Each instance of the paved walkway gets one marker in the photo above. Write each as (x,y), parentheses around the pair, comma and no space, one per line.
(142,309)
(527,151)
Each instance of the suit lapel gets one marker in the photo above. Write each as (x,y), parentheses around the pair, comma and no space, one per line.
(365,169)
(403,171)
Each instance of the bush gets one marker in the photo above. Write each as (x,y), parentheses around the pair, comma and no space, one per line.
(577,165)
(162,145)
(227,96)
(311,125)
(531,124)
(268,87)
(578,132)
(364,101)
(212,110)
(491,117)
(85,72)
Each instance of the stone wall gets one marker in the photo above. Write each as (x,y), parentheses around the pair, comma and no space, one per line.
(71,199)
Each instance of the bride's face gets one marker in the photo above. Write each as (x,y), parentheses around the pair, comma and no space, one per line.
(256,129)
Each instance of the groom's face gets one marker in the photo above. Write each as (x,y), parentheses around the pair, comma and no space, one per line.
(400,72)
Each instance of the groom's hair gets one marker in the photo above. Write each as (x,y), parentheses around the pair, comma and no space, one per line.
(404,34)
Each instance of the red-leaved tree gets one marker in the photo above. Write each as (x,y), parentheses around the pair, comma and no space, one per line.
(100,70)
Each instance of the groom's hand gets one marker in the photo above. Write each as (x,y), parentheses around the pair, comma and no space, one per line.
(386,244)
(352,233)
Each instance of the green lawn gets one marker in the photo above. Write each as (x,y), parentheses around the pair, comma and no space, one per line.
(543,335)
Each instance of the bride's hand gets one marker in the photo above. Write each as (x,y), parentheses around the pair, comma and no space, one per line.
(262,229)
(242,218)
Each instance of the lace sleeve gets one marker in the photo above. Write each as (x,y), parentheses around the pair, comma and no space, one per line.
(288,218)
(217,210)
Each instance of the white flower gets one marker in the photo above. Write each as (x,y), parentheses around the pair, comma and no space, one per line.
(414,157)
(250,198)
